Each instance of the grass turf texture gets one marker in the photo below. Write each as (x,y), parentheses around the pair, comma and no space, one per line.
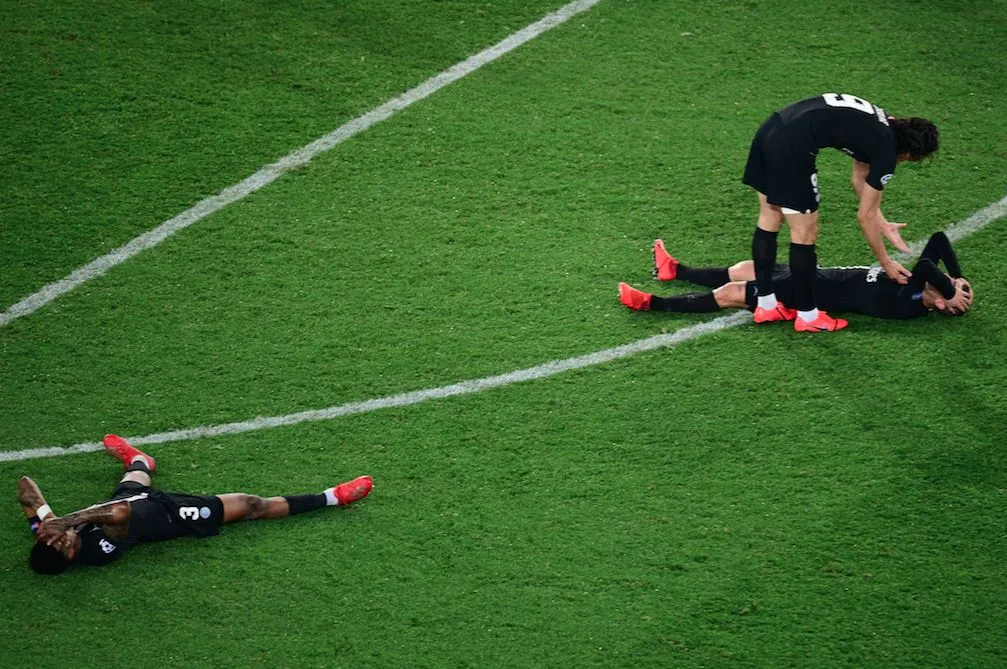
(839,503)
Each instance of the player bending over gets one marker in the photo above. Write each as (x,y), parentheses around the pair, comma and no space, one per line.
(781,168)
(137,513)
(859,290)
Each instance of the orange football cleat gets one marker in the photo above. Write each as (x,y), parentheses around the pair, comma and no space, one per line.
(824,323)
(119,448)
(354,490)
(636,300)
(665,266)
(777,313)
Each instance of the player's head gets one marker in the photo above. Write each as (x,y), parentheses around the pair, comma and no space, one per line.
(933,299)
(915,138)
(47,560)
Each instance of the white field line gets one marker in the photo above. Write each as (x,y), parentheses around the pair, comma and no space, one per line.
(302,156)
(405,399)
(973,223)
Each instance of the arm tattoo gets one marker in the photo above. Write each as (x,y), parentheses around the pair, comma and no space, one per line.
(29,497)
(100,514)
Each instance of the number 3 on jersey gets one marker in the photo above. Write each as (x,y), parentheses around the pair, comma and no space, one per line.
(188,513)
(848,101)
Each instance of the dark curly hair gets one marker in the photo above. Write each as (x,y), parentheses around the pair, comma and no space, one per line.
(47,560)
(916,136)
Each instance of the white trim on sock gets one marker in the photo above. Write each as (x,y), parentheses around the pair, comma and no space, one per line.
(330,496)
(767,301)
(808,316)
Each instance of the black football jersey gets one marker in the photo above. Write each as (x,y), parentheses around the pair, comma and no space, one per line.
(155,515)
(845,122)
(867,290)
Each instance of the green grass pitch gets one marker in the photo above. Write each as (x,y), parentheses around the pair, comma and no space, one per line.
(749,498)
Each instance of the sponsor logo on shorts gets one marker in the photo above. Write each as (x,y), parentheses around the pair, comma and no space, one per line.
(886,178)
(204,512)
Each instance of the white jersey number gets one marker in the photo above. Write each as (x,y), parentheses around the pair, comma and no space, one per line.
(188,513)
(849,102)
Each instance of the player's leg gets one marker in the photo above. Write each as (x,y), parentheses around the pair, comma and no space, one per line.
(765,160)
(721,298)
(242,506)
(741,271)
(768,309)
(803,267)
(139,466)
(668,268)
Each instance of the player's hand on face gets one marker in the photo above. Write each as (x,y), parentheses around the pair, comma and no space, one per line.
(966,287)
(50,531)
(961,301)
(892,234)
(64,541)
(897,272)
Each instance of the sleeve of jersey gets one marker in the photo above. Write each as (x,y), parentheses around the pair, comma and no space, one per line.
(939,249)
(882,161)
(881,170)
(925,271)
(96,549)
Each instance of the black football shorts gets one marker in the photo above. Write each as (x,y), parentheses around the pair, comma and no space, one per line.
(787,180)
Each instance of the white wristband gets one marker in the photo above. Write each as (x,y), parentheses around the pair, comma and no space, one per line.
(43,511)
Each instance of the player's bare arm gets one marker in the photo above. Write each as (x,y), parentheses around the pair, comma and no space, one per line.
(858,176)
(30,497)
(112,516)
(876,229)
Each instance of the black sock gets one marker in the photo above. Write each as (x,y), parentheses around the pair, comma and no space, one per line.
(138,465)
(711,277)
(690,302)
(764,255)
(301,503)
(803,263)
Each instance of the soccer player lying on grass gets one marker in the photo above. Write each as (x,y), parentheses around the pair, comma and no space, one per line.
(136,513)
(860,290)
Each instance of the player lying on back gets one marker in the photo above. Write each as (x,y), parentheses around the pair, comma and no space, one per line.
(136,513)
(858,290)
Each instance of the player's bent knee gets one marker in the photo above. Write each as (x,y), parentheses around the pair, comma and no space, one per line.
(731,295)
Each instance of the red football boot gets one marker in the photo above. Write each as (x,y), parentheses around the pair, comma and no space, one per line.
(637,300)
(665,266)
(354,490)
(777,313)
(121,449)
(824,323)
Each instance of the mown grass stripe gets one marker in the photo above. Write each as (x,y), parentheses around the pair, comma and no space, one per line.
(271,173)
(970,225)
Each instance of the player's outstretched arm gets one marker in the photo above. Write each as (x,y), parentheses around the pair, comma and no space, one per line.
(876,229)
(858,177)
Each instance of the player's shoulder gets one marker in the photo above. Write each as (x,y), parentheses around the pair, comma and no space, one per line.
(840,105)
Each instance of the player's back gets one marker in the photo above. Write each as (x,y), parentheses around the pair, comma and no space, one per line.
(865,290)
(845,122)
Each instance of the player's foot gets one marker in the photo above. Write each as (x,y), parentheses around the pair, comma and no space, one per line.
(824,323)
(119,448)
(354,490)
(665,267)
(633,298)
(777,313)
